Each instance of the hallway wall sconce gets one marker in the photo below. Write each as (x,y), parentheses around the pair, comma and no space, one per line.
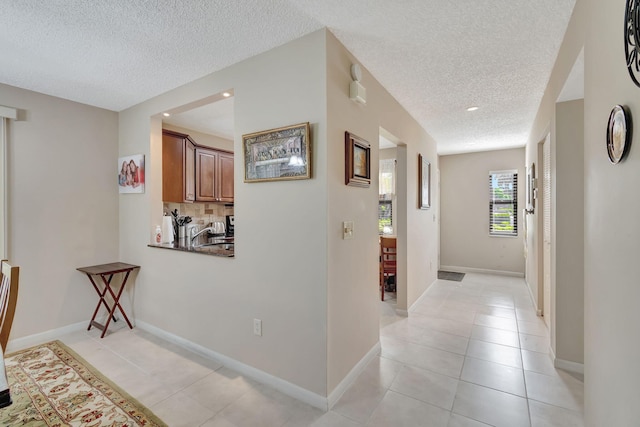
(357,92)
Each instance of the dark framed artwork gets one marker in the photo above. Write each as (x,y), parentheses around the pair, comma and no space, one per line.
(357,161)
(424,183)
(277,154)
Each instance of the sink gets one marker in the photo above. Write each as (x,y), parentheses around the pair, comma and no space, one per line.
(216,245)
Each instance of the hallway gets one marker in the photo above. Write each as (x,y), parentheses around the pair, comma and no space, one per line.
(470,352)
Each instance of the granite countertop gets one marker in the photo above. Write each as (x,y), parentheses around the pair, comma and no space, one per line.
(215,250)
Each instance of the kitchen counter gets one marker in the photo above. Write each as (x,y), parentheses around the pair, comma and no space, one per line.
(215,250)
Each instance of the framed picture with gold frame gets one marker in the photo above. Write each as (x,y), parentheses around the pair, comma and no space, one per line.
(277,154)
(357,164)
(424,183)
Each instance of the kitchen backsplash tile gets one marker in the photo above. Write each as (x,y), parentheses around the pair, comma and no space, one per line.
(201,213)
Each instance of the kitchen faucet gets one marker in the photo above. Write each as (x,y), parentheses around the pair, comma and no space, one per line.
(195,236)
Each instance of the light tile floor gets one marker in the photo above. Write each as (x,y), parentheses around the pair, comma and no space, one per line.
(471,353)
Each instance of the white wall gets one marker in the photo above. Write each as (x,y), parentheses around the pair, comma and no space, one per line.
(567,296)
(63,205)
(292,269)
(570,48)
(279,272)
(464,183)
(353,320)
(612,229)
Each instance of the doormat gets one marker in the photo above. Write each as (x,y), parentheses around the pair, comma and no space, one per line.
(450,275)
(53,386)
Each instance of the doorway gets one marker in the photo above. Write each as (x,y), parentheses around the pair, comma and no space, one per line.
(546,231)
(387,211)
(392,148)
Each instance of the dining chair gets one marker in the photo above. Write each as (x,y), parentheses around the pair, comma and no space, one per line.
(8,300)
(387,261)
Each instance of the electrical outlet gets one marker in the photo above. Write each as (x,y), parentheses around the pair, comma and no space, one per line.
(257,327)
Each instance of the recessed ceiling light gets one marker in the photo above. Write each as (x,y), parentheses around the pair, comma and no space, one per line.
(474,108)
(226,94)
(166,114)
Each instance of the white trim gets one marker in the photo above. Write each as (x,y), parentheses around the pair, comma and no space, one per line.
(8,112)
(42,337)
(481,271)
(567,365)
(279,384)
(337,392)
(420,298)
(4,187)
(290,389)
(533,300)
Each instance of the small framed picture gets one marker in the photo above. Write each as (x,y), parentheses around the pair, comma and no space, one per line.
(277,154)
(424,183)
(131,174)
(357,161)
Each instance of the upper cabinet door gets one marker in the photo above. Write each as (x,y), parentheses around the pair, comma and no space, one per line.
(177,165)
(189,172)
(225,177)
(206,170)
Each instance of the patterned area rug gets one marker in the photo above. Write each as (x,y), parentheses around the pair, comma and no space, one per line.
(53,386)
(450,275)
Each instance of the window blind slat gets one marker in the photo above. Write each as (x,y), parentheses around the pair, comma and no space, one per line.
(503,203)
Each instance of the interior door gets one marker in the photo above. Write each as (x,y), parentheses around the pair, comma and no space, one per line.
(546,212)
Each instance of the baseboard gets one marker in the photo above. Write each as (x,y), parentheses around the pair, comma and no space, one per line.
(481,271)
(417,301)
(567,365)
(533,300)
(42,337)
(337,392)
(401,312)
(279,384)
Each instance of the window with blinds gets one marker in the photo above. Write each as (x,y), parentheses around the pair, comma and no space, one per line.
(387,189)
(385,217)
(503,203)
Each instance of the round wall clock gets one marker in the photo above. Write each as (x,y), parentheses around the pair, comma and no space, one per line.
(632,39)
(618,133)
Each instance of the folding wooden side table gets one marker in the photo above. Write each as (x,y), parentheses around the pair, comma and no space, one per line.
(106,272)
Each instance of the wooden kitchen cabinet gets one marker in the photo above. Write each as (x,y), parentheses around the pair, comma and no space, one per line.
(214,175)
(178,163)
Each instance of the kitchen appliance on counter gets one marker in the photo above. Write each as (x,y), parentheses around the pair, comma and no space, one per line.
(218,228)
(230,225)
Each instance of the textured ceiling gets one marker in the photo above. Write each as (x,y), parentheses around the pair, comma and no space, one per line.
(435,57)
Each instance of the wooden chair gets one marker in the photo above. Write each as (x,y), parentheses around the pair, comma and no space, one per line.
(387,261)
(8,300)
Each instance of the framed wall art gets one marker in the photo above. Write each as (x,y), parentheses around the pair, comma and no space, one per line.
(131,174)
(277,154)
(424,183)
(357,164)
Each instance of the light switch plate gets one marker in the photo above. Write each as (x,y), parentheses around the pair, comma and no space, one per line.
(347,230)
